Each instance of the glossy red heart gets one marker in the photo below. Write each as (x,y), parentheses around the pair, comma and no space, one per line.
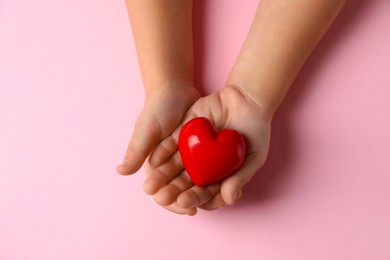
(208,155)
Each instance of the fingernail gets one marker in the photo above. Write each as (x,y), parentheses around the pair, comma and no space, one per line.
(124,163)
(238,195)
(154,161)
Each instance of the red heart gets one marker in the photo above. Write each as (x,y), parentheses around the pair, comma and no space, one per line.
(209,155)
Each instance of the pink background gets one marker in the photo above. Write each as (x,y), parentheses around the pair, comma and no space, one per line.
(70,92)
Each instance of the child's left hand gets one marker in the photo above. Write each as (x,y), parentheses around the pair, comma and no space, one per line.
(166,178)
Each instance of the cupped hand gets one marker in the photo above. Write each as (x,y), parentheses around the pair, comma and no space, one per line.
(163,111)
(166,178)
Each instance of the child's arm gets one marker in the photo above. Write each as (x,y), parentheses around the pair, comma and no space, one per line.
(163,35)
(283,34)
(162,31)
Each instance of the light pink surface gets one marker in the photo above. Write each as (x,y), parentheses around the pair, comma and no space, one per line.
(70,92)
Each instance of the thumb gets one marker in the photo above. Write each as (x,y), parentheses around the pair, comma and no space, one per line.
(147,133)
(231,188)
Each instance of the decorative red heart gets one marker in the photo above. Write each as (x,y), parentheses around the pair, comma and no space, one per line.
(209,155)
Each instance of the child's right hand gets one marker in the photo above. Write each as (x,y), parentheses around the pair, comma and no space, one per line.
(164,109)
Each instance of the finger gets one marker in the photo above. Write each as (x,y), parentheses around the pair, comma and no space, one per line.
(197,196)
(169,145)
(232,185)
(147,133)
(169,193)
(163,151)
(215,203)
(178,210)
(163,175)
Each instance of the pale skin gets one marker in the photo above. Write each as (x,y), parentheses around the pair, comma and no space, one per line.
(282,36)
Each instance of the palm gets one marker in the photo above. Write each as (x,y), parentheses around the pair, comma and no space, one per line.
(166,177)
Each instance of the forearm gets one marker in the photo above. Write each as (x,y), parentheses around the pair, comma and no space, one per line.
(162,31)
(283,34)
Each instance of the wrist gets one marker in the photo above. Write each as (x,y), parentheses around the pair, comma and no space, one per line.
(264,109)
(169,85)
(264,86)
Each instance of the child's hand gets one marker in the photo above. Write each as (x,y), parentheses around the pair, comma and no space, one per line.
(166,178)
(163,111)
